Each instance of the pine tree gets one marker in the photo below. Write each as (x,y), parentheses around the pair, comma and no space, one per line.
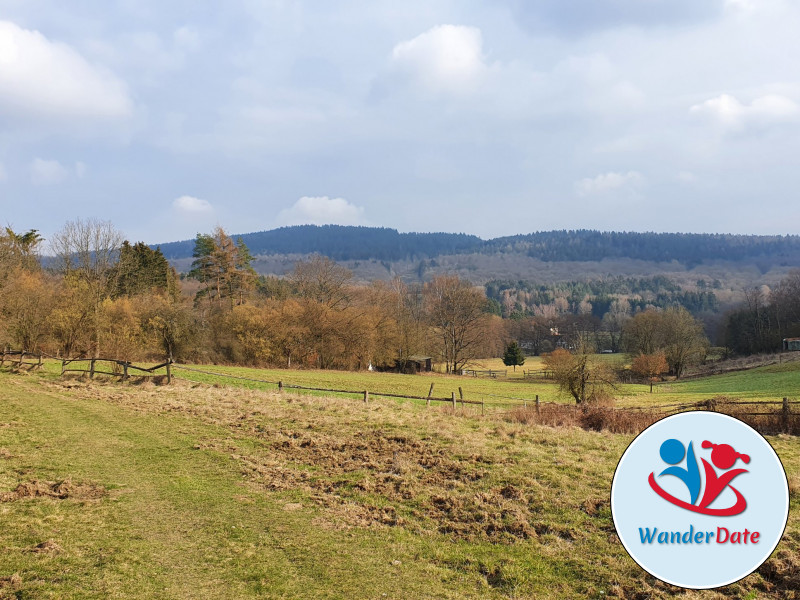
(222,267)
(513,356)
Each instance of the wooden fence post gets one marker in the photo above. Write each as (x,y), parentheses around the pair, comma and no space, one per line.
(453,398)
(430,393)
(537,404)
(2,357)
(483,406)
(40,361)
(366,396)
(786,415)
(169,371)
(21,357)
(280,386)
(63,366)
(461,395)
(124,370)
(91,369)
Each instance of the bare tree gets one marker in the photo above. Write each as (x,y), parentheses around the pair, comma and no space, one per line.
(578,374)
(320,279)
(87,250)
(456,311)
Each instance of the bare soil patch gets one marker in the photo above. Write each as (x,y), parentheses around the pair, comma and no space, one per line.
(346,474)
(61,490)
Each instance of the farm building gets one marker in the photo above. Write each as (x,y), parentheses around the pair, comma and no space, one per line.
(791,343)
(415,364)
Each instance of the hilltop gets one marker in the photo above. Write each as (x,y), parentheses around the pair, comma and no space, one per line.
(381,253)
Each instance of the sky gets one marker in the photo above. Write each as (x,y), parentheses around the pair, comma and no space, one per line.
(488,117)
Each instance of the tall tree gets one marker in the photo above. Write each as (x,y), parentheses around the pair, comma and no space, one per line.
(456,312)
(87,251)
(141,269)
(223,269)
(673,331)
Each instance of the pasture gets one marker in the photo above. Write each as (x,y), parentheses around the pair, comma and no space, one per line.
(214,488)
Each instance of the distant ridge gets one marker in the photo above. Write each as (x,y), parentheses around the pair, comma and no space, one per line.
(348,243)
(341,242)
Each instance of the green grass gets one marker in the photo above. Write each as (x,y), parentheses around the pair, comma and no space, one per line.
(770,383)
(235,493)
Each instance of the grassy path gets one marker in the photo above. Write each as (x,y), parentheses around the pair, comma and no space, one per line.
(172,525)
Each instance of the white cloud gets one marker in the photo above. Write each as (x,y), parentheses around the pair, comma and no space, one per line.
(43,78)
(48,172)
(322,210)
(444,58)
(190,204)
(731,114)
(608,182)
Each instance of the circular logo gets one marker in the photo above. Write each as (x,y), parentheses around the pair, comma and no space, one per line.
(699,500)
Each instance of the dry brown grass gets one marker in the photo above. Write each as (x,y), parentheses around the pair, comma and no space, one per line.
(589,417)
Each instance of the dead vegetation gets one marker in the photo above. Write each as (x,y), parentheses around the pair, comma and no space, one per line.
(60,490)
(591,417)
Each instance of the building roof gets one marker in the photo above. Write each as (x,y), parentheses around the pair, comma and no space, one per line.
(797,339)
(419,357)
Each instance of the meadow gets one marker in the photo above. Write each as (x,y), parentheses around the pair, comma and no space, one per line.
(212,488)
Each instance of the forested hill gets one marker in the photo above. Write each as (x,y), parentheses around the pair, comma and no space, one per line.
(686,248)
(384,244)
(345,243)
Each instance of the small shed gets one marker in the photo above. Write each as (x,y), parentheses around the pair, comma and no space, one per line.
(414,364)
(791,343)
(422,363)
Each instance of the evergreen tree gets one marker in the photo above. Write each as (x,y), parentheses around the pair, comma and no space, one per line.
(140,269)
(513,356)
(222,267)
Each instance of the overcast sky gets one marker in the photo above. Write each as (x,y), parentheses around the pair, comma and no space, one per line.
(489,117)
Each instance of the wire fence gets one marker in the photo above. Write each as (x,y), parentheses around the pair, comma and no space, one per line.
(767,416)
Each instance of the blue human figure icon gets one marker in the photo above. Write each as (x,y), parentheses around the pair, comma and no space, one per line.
(672,453)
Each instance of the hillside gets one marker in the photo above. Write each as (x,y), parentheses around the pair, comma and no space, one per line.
(382,253)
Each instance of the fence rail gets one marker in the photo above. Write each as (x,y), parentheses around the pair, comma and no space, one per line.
(16,359)
(362,393)
(119,368)
(492,373)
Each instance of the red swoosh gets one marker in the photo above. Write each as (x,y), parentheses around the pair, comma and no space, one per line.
(736,509)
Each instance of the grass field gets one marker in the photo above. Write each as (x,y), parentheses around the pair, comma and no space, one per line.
(190,491)
(769,383)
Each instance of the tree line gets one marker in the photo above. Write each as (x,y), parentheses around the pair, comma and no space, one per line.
(766,317)
(517,299)
(105,296)
(101,294)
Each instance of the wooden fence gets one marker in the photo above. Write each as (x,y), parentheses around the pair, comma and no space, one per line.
(365,394)
(494,374)
(766,416)
(17,359)
(784,418)
(118,368)
(537,374)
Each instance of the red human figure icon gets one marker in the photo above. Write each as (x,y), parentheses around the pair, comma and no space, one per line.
(724,457)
